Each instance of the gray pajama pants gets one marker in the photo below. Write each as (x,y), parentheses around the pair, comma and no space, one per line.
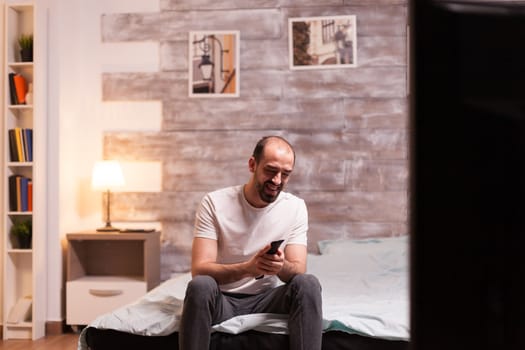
(205,305)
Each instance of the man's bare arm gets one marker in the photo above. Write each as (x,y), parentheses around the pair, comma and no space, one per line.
(204,262)
(294,261)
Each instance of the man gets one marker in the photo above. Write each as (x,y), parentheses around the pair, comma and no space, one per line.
(232,272)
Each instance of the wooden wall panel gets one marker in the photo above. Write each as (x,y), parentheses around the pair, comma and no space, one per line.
(356,206)
(348,126)
(265,83)
(182,5)
(376,113)
(361,83)
(131,27)
(250,114)
(227,145)
(375,175)
(185,5)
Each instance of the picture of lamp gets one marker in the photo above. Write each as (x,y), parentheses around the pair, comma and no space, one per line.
(214,64)
(206,65)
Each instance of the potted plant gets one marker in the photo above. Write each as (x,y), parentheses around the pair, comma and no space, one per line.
(22,232)
(25,41)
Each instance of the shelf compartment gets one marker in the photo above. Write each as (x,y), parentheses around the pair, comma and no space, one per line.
(19,21)
(105,258)
(18,271)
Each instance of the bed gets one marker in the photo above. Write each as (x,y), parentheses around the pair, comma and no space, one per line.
(365,306)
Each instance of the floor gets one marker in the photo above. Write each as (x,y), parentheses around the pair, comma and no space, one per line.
(67,341)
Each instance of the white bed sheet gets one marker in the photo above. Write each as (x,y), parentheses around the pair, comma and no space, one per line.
(365,291)
(365,286)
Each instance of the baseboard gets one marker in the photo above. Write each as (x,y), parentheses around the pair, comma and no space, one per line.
(55,327)
(52,328)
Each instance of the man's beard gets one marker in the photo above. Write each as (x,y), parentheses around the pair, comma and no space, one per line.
(266,197)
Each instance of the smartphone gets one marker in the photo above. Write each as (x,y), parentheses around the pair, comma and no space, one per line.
(274,246)
(273,249)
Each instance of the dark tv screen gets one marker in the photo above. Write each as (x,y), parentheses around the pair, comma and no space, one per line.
(467,175)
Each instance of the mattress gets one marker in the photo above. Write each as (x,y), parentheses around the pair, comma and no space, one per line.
(108,339)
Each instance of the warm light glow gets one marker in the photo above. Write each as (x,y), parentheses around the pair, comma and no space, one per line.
(107,174)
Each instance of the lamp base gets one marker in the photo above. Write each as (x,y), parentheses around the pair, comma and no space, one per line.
(107,229)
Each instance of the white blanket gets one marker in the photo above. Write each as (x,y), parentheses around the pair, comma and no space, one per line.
(365,291)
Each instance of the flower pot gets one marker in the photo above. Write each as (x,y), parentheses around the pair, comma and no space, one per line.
(24,242)
(26,55)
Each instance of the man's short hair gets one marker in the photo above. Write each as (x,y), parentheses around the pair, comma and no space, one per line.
(259,147)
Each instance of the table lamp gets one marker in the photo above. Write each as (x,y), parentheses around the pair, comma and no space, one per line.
(107,174)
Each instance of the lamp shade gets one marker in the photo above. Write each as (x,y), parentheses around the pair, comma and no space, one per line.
(107,174)
(206,67)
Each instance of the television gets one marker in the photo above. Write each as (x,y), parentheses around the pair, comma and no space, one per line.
(467,166)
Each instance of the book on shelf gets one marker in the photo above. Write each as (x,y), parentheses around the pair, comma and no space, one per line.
(20,88)
(30,195)
(24,144)
(29,148)
(19,148)
(12,192)
(23,193)
(21,144)
(12,89)
(21,311)
(13,151)
(20,193)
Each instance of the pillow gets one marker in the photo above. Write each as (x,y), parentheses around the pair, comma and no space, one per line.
(364,258)
(369,245)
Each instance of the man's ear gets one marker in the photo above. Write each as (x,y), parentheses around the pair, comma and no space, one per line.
(251,164)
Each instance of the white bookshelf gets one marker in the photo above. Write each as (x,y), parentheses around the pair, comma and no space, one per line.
(24,269)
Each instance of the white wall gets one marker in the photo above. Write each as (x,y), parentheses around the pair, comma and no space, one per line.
(78,117)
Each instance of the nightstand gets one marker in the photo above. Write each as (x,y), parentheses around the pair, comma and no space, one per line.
(108,270)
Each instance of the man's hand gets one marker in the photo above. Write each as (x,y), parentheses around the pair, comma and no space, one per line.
(204,262)
(268,264)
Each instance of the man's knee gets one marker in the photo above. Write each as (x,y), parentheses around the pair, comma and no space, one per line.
(306,281)
(201,287)
(307,285)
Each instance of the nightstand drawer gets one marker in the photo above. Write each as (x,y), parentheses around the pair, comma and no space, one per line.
(92,296)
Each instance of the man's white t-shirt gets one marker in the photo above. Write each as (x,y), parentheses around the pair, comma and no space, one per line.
(241,230)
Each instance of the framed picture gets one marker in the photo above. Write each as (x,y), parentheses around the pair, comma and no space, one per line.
(322,42)
(214,64)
